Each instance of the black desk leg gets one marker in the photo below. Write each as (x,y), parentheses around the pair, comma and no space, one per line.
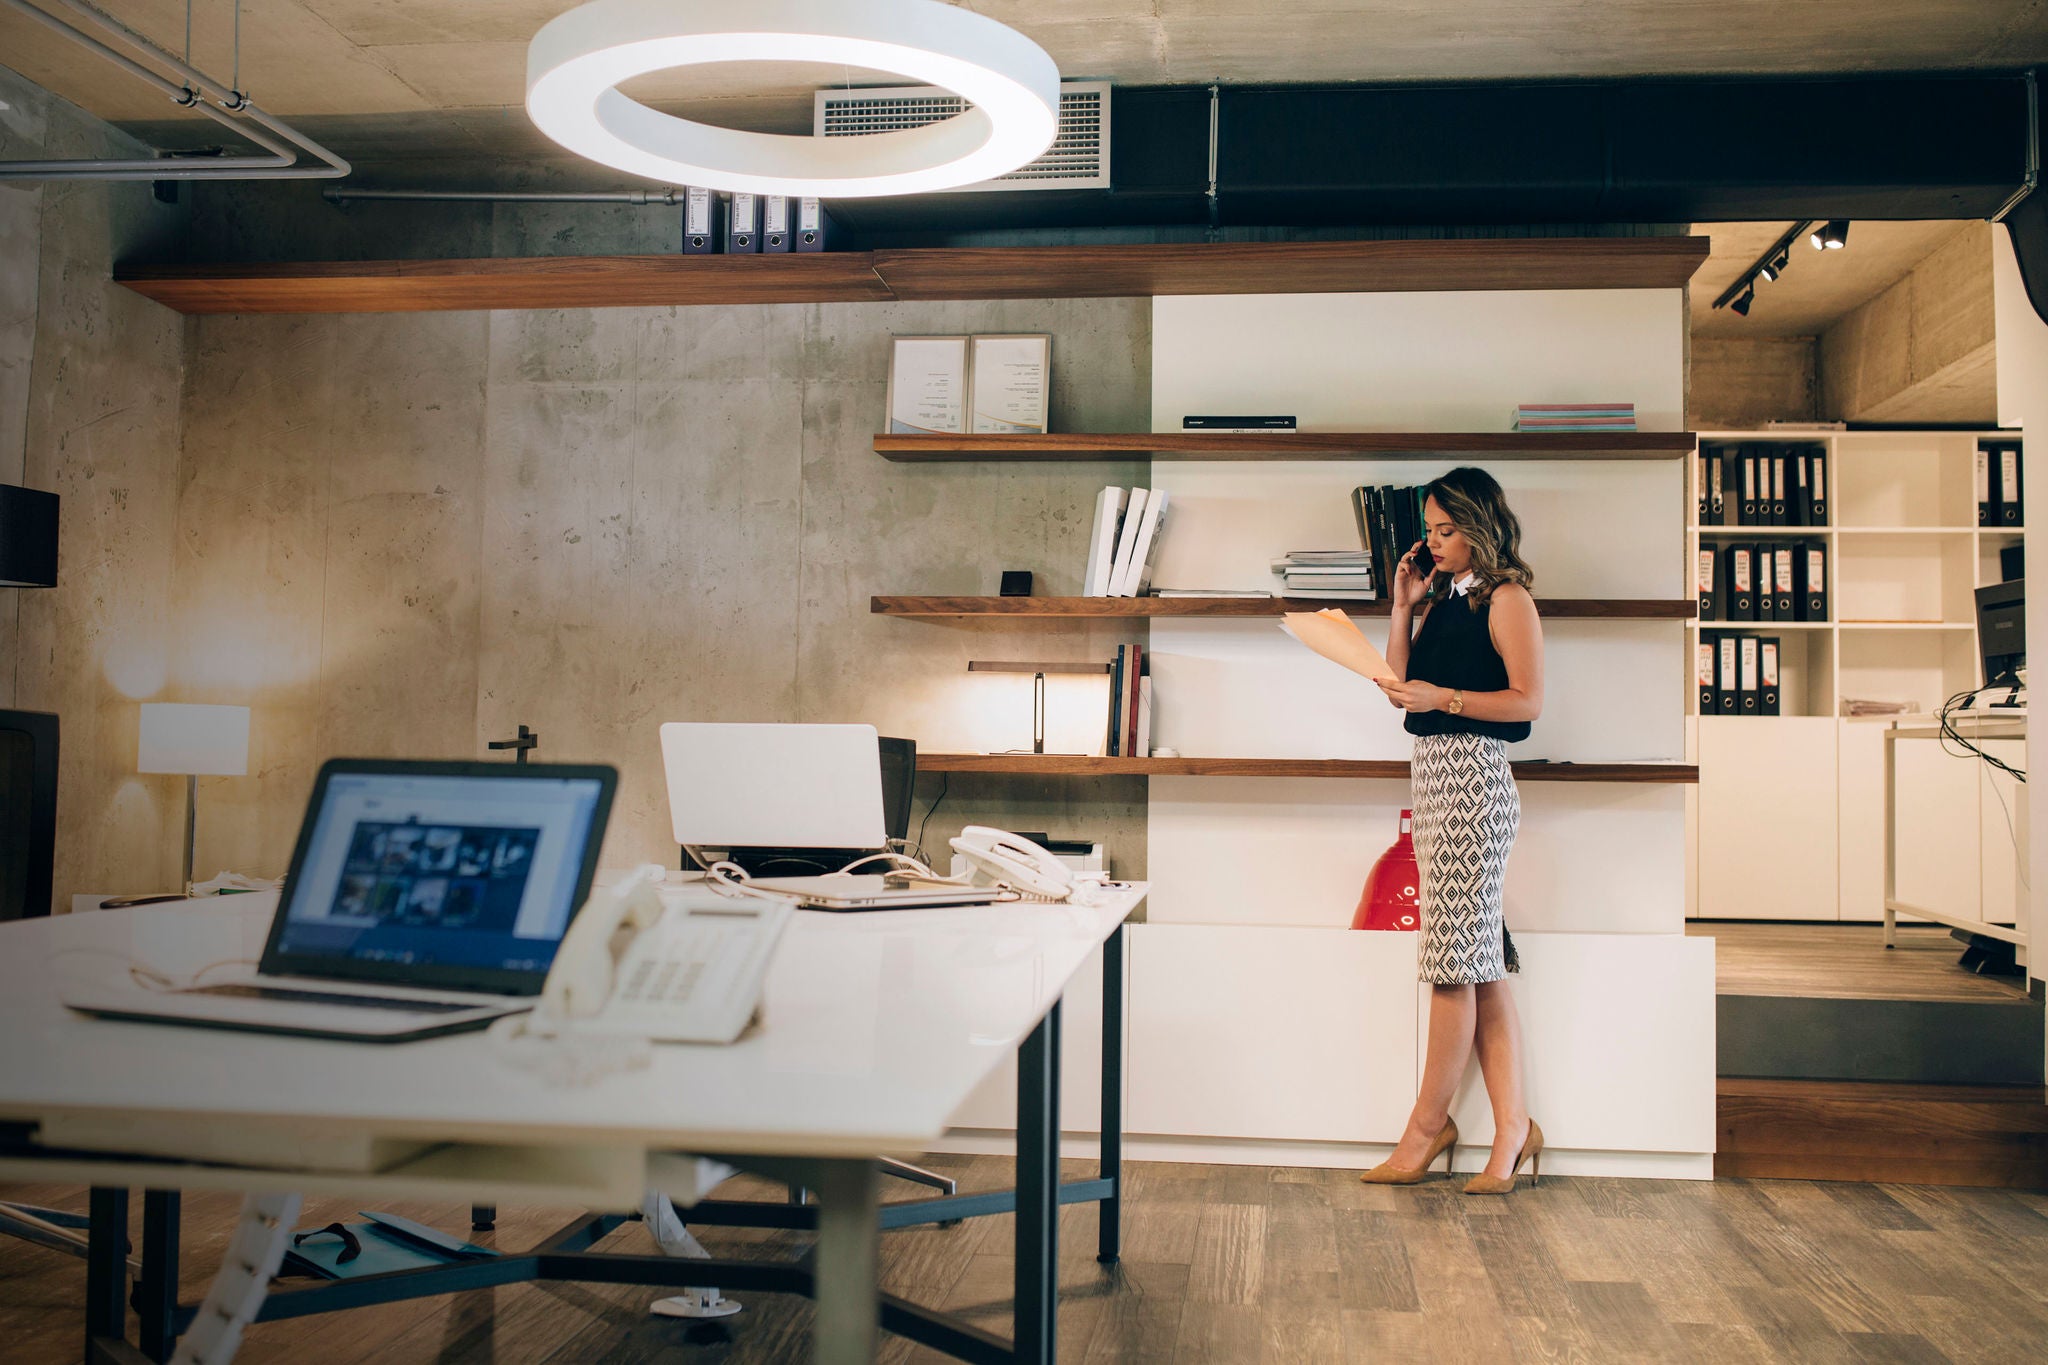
(1109,1211)
(156,1290)
(1038,1192)
(106,1272)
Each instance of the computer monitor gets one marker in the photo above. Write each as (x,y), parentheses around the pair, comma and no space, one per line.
(28,812)
(787,800)
(2002,631)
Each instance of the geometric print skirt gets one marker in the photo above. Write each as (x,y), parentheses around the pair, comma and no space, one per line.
(1466,814)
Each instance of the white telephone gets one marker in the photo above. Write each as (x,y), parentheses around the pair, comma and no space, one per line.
(999,858)
(691,974)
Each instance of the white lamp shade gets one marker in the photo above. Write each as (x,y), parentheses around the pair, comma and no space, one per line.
(211,741)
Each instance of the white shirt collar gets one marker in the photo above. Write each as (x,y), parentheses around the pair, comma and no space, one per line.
(1463,585)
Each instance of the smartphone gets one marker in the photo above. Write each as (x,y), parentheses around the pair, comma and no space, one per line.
(1424,562)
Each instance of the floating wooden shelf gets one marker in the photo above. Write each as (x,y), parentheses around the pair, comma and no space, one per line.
(1560,608)
(1065,765)
(1126,270)
(1302,445)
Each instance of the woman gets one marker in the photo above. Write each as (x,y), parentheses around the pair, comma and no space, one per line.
(1471,682)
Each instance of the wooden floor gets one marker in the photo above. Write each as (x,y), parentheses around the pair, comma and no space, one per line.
(1845,962)
(1229,1264)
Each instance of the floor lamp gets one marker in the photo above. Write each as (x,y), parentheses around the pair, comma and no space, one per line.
(209,741)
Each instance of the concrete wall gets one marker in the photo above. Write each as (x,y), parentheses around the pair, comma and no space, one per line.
(1741,383)
(408,534)
(89,409)
(1925,349)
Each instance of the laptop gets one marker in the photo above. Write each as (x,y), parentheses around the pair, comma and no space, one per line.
(784,787)
(424,898)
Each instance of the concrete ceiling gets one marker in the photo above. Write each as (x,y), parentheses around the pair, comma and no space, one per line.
(426,77)
(1818,288)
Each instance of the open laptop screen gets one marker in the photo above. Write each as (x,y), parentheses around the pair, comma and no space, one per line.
(445,874)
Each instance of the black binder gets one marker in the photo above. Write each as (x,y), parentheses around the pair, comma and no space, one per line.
(1704,670)
(1717,488)
(1747,679)
(1767,676)
(1707,561)
(1740,594)
(775,225)
(1784,581)
(743,224)
(703,221)
(1750,472)
(1810,578)
(1727,694)
(1779,510)
(1799,502)
(1987,505)
(2010,481)
(1699,484)
(1820,487)
(815,228)
(1766,600)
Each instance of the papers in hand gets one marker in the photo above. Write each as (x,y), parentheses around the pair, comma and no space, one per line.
(1330,633)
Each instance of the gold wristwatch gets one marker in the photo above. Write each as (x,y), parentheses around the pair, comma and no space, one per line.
(1457,703)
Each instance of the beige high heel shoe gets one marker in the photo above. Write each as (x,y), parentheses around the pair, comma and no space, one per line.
(1387,1173)
(1532,1152)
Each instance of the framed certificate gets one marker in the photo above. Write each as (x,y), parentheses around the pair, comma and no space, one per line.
(928,384)
(1011,379)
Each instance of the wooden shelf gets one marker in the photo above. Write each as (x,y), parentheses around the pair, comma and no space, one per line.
(1301,445)
(1561,608)
(1127,270)
(1066,765)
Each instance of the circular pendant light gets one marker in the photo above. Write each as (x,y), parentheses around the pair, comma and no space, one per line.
(576,63)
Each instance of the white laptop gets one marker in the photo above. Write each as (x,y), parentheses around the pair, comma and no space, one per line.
(423,898)
(734,786)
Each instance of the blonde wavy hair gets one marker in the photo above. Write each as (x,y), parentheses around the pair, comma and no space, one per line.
(1473,500)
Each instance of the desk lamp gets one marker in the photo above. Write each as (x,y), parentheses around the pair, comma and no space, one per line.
(1038,672)
(193,740)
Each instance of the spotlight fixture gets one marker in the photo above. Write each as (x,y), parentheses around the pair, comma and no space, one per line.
(1832,236)
(1741,291)
(1741,304)
(1775,267)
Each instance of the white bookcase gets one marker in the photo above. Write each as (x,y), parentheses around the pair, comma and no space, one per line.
(1790,808)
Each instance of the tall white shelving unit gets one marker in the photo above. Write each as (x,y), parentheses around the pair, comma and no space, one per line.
(1790,809)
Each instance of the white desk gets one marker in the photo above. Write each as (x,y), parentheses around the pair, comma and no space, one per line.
(876,1027)
(1981,724)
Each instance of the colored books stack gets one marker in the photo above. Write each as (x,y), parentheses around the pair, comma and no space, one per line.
(1343,574)
(1575,417)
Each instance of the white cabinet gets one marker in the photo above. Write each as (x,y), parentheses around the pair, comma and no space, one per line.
(1767,818)
(994,1102)
(1939,833)
(1249,1031)
(1618,1032)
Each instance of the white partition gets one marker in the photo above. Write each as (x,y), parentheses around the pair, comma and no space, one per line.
(1304,1035)
(994,1102)
(1243,688)
(1591,857)
(1619,1034)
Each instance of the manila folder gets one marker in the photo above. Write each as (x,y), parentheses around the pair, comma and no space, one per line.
(1330,633)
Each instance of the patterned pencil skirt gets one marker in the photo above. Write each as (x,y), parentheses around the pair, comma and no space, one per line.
(1466,814)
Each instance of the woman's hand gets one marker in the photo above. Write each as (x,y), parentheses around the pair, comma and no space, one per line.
(1415,696)
(1410,583)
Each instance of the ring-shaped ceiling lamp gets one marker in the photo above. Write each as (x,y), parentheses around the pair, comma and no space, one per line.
(576,63)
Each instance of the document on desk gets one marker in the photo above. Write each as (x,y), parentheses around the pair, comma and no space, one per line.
(1330,633)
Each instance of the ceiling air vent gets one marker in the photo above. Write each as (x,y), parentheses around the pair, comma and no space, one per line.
(1077,160)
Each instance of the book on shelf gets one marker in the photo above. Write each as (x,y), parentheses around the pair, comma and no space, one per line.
(1389,522)
(1102,540)
(1871,706)
(1574,417)
(1128,686)
(1126,540)
(1212,592)
(1137,573)
(1316,573)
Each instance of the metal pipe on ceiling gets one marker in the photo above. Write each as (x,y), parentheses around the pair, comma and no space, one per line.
(667,197)
(235,111)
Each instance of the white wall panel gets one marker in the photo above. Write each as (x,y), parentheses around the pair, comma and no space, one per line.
(1618,1031)
(1425,361)
(1591,857)
(1247,1032)
(1610,528)
(1244,689)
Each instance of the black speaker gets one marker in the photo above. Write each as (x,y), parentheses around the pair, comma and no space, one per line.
(1016,583)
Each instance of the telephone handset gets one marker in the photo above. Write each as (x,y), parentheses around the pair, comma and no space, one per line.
(690,974)
(999,858)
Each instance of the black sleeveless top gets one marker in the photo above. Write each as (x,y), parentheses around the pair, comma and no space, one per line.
(1454,648)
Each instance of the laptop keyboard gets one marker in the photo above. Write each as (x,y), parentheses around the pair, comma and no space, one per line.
(297,997)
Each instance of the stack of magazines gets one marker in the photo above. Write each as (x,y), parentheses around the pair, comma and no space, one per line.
(1575,417)
(1342,574)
